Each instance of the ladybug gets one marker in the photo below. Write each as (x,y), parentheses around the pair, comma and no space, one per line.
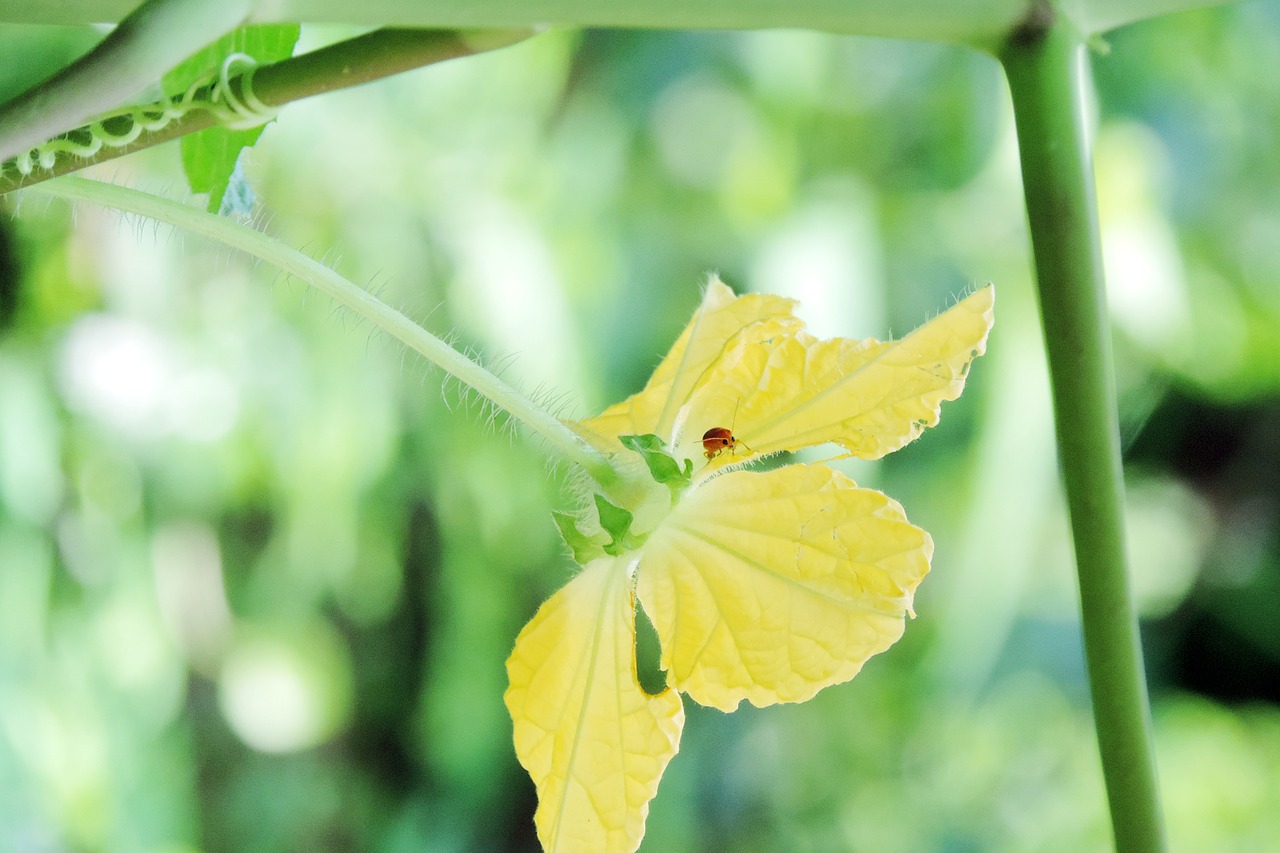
(719,439)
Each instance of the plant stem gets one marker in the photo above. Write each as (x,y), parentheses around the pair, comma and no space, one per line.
(350,296)
(978,23)
(151,40)
(353,62)
(373,56)
(1046,66)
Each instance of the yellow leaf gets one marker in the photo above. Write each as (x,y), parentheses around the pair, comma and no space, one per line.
(720,323)
(770,586)
(871,397)
(594,742)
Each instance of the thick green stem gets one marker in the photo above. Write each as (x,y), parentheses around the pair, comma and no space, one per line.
(353,62)
(155,37)
(979,23)
(350,296)
(1046,65)
(373,56)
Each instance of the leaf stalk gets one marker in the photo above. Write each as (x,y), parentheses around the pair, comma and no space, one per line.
(350,296)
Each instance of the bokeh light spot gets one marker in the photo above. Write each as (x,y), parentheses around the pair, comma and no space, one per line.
(284,693)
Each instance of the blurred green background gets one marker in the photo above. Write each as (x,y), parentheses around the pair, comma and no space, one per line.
(260,569)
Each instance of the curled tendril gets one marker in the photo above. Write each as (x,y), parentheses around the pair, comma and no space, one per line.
(236,111)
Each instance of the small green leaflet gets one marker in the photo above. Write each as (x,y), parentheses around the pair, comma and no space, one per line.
(209,156)
(585,548)
(614,538)
(662,465)
(616,521)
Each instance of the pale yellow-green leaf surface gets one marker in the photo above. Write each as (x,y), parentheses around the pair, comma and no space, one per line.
(870,397)
(770,586)
(594,742)
(721,322)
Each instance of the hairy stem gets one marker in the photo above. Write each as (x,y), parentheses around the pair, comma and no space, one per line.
(155,37)
(353,62)
(1047,71)
(350,296)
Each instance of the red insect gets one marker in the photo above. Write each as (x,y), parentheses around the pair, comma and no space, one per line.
(719,439)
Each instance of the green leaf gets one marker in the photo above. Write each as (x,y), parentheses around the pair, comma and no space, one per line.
(662,465)
(209,156)
(585,548)
(263,43)
(616,521)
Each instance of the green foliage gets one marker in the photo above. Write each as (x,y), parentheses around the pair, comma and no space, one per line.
(209,156)
(616,521)
(662,465)
(585,548)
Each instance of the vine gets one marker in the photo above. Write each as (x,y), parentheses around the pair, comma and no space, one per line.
(215,93)
(244,100)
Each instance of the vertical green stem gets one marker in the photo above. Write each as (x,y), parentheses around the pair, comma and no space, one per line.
(1046,66)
